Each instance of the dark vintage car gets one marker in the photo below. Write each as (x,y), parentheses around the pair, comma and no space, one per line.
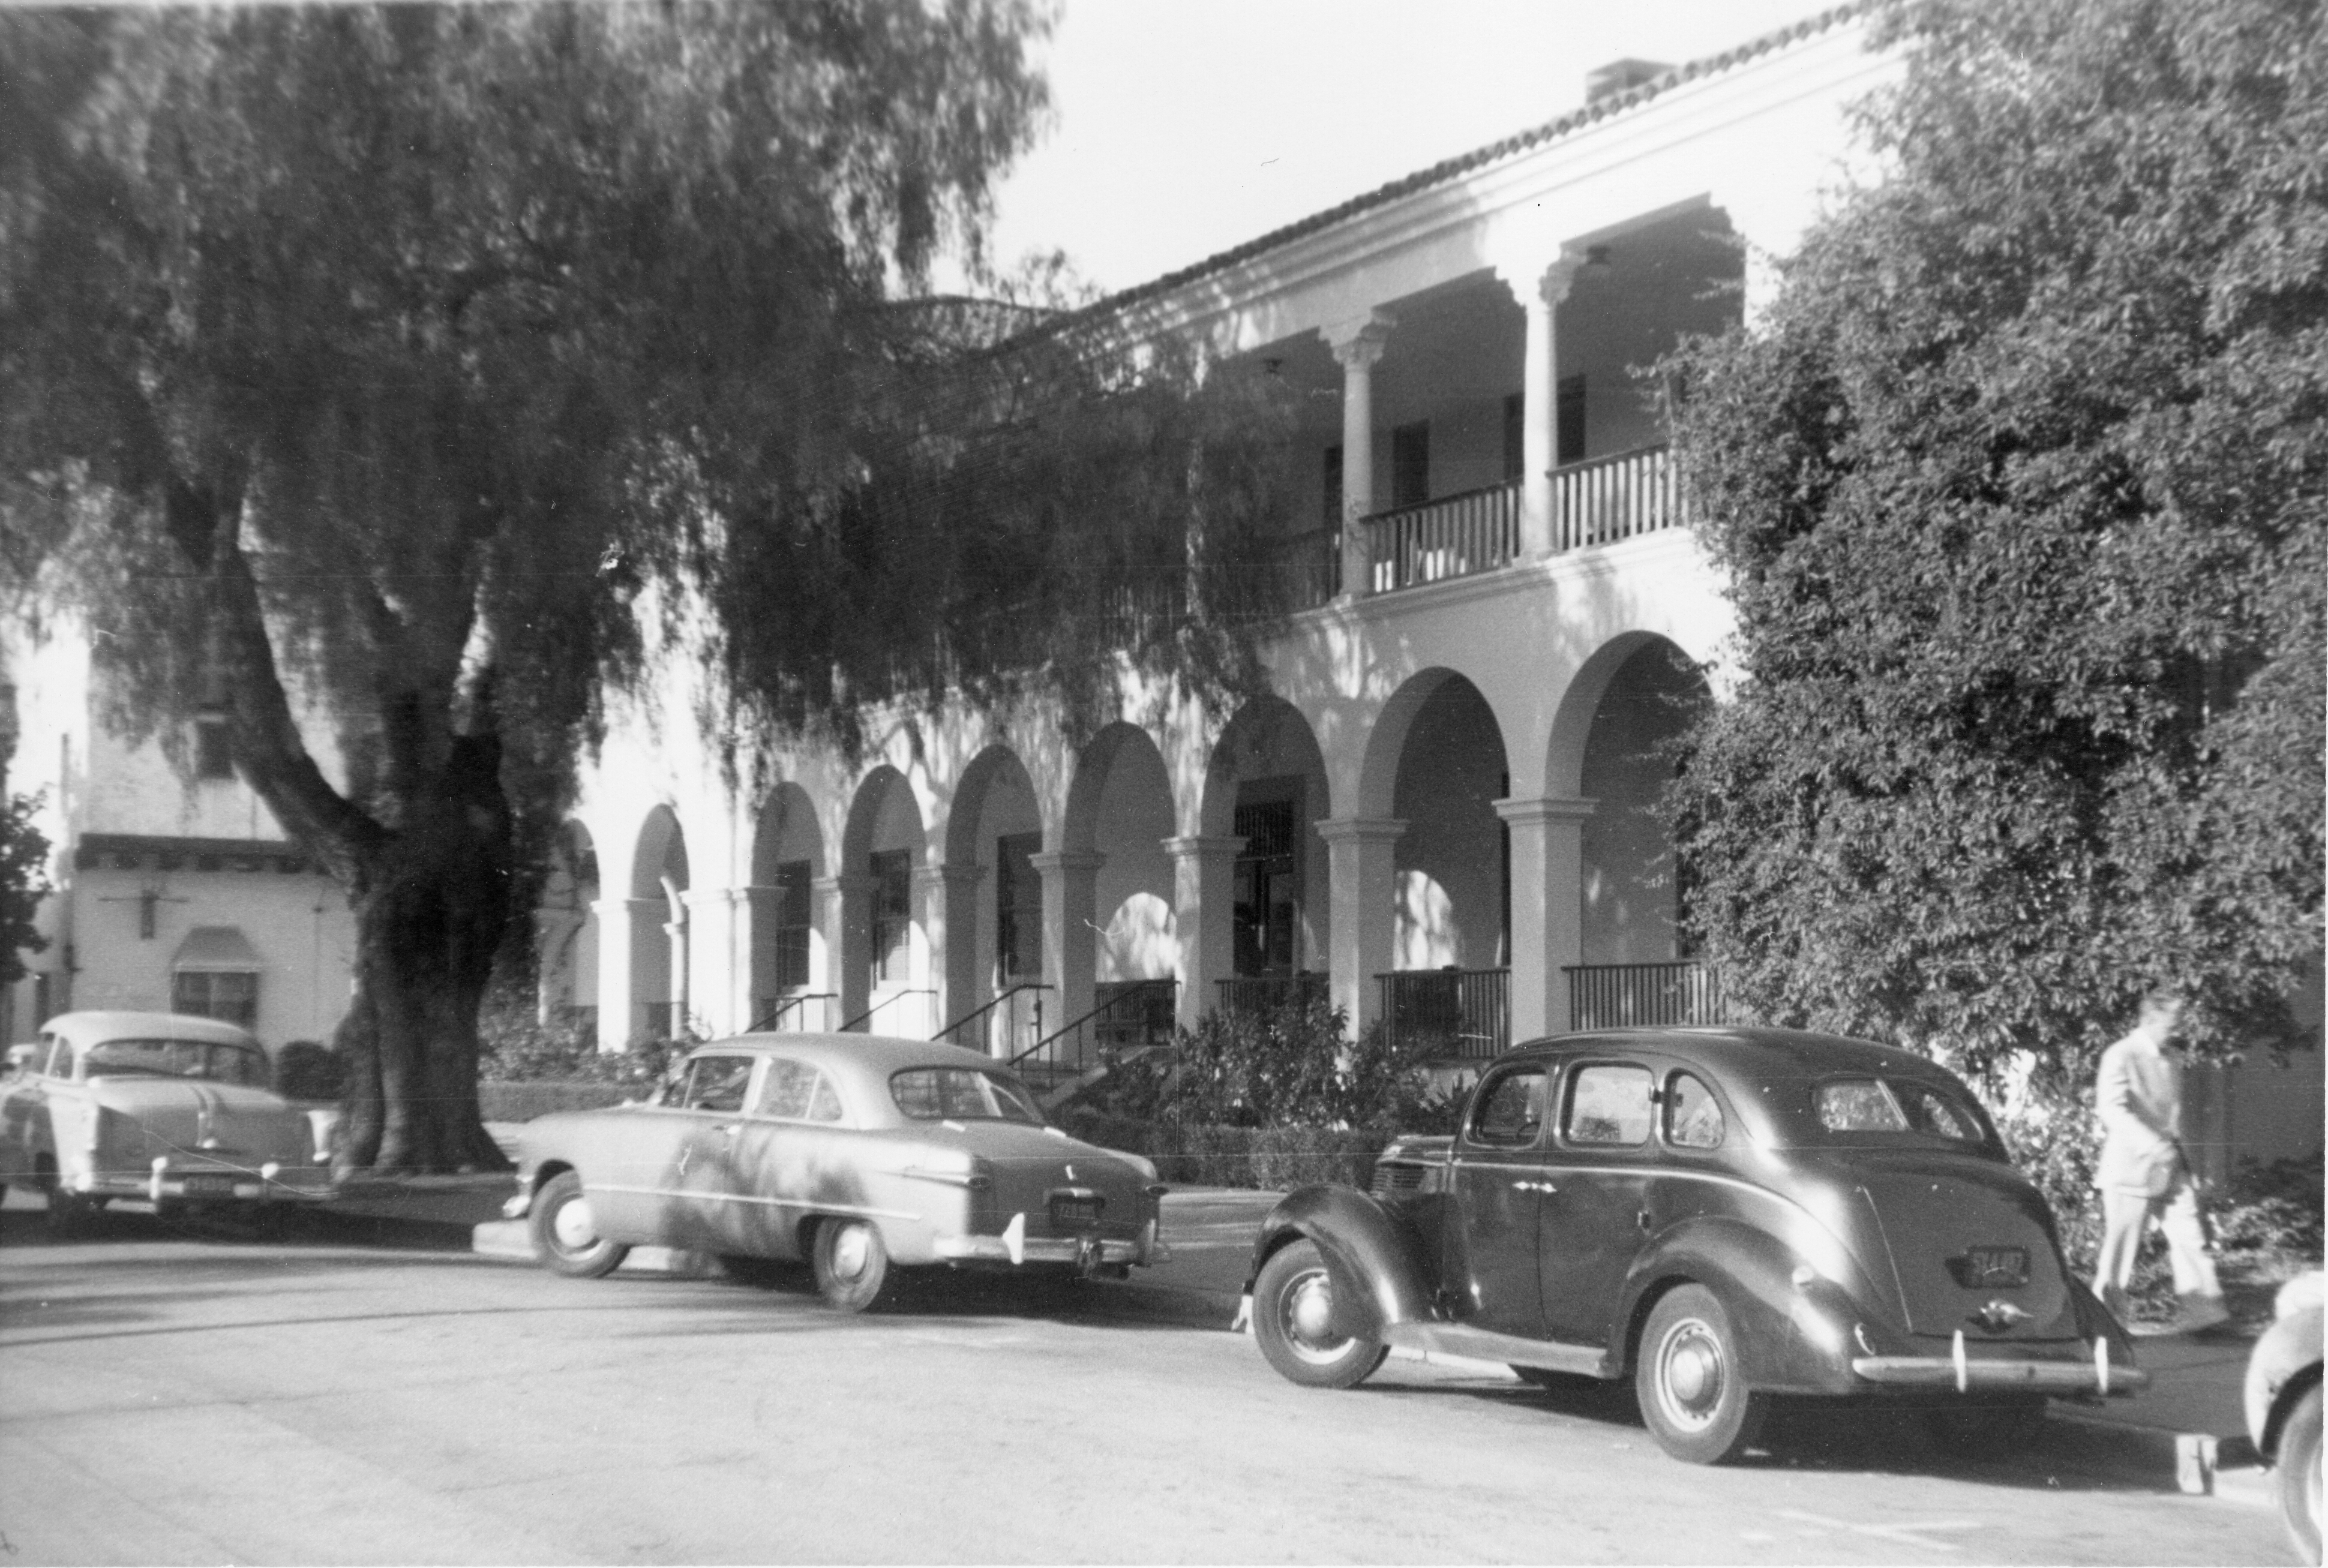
(861,1154)
(1722,1214)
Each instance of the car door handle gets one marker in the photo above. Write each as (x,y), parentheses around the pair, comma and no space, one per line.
(726,1129)
(1533,1187)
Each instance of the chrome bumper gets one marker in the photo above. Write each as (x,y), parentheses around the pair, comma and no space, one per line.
(1964,1373)
(1015,1247)
(261,1185)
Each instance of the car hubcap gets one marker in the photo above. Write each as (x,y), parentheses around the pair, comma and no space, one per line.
(849,1253)
(1692,1374)
(1307,1317)
(572,1224)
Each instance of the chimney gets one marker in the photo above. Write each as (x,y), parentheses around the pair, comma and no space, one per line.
(1621,76)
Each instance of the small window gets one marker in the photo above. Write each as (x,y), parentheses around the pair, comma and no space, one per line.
(213,752)
(60,1063)
(1860,1105)
(797,1093)
(1509,1111)
(1692,1115)
(717,1083)
(1930,1110)
(1609,1105)
(893,909)
(230,996)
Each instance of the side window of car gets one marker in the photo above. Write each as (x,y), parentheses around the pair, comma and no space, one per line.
(60,1060)
(717,1083)
(797,1092)
(1509,1111)
(1692,1115)
(1930,1110)
(1608,1104)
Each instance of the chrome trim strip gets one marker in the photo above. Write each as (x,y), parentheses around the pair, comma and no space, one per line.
(666,1192)
(1941,1371)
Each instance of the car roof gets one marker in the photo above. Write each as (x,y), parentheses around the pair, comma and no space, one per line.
(1751,1053)
(875,1054)
(96,1026)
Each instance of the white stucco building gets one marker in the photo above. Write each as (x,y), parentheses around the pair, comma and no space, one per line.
(1441,811)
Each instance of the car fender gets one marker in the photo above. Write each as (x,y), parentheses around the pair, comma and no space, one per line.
(1371,1256)
(1790,1338)
(2284,1363)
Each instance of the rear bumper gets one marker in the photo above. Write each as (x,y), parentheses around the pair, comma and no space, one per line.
(297,1185)
(1015,1247)
(2099,1375)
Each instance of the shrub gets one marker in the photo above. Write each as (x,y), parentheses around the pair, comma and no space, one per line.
(1211,1155)
(309,1070)
(517,1049)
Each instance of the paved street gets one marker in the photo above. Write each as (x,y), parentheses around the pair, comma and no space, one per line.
(173,1399)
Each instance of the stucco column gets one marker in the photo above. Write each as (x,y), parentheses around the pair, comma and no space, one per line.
(1541,297)
(1070,938)
(627,929)
(1358,344)
(1362,865)
(710,945)
(1547,908)
(844,907)
(1204,877)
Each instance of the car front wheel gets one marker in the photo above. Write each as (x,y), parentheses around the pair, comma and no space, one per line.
(2298,1468)
(1692,1389)
(565,1237)
(852,1266)
(1293,1316)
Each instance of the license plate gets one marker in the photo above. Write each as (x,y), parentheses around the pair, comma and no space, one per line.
(1074,1213)
(1992,1268)
(209,1187)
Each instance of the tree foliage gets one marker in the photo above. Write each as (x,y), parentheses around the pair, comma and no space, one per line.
(23,883)
(2020,488)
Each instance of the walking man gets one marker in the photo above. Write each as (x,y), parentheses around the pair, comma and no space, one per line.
(2145,1174)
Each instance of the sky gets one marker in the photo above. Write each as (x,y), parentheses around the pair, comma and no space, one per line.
(1184,128)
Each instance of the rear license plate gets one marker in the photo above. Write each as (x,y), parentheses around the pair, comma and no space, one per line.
(1074,1213)
(209,1187)
(1993,1268)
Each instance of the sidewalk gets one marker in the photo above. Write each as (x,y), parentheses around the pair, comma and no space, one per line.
(2165,1436)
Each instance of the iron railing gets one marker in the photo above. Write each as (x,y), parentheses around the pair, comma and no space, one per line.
(1464,1013)
(974,1029)
(1616,497)
(1137,1016)
(893,998)
(791,1012)
(1602,996)
(1257,995)
(1453,536)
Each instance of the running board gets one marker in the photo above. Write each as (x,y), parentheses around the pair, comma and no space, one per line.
(1511,1349)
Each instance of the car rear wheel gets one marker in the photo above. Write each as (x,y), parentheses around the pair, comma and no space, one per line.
(1984,1430)
(2298,1474)
(1692,1389)
(852,1266)
(1292,1316)
(565,1237)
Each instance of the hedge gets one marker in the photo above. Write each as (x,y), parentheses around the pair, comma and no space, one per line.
(1250,1157)
(507,1101)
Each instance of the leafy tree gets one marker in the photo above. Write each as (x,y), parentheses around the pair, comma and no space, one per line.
(23,883)
(2020,489)
(373,360)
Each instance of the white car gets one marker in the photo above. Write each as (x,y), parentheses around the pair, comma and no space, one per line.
(177,1109)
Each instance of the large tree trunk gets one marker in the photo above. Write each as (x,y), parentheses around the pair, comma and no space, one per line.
(430,913)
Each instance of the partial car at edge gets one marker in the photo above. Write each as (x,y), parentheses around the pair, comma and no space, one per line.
(2283,1407)
(163,1106)
(858,1154)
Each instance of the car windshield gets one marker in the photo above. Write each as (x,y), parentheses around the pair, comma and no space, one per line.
(1852,1106)
(217,1061)
(961,1094)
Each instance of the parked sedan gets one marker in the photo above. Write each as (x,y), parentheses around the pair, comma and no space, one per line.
(1722,1215)
(861,1154)
(161,1106)
(2283,1407)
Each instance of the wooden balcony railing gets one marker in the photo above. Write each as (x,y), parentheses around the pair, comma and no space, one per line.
(1617,497)
(1465,1013)
(1454,537)
(1602,996)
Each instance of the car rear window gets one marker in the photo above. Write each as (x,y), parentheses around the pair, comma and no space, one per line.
(1879,1106)
(961,1094)
(215,1061)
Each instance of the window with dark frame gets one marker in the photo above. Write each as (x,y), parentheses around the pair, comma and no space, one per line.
(213,750)
(893,910)
(230,996)
(789,949)
(1018,909)
(1265,911)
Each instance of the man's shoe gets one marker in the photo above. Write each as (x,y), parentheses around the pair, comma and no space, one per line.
(2156,1329)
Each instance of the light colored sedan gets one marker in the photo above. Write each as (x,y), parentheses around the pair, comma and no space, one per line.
(163,1106)
(861,1154)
